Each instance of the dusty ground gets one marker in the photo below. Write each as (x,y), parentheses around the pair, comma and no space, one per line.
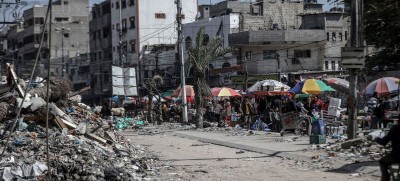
(185,159)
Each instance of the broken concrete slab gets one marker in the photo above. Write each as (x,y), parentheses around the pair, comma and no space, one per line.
(347,144)
(37,102)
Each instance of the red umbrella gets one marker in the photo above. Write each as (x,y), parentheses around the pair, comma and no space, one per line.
(224,92)
(189,91)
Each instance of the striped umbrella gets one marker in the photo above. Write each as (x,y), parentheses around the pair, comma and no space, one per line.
(310,86)
(224,92)
(382,86)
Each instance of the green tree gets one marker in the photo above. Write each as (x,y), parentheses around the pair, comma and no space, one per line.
(199,58)
(382,27)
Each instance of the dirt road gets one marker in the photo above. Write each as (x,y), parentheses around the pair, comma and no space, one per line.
(186,159)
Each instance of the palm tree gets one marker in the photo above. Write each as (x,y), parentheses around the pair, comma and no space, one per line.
(199,58)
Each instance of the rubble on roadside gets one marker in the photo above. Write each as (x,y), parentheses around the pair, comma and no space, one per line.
(82,146)
(328,156)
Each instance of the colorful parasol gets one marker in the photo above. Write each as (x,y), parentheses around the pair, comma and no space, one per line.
(311,86)
(382,86)
(189,91)
(224,92)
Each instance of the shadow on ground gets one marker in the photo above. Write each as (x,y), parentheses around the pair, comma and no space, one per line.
(356,167)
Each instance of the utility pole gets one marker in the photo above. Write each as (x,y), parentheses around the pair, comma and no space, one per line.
(180,50)
(356,19)
(120,34)
(62,53)
(157,59)
(279,66)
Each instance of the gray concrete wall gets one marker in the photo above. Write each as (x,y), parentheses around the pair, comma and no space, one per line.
(221,8)
(284,13)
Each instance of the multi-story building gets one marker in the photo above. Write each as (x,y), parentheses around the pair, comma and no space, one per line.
(69,35)
(144,24)
(336,24)
(101,50)
(220,26)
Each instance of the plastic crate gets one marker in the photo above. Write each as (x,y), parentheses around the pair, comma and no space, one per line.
(317,139)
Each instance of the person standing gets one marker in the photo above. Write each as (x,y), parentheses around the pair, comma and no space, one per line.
(392,158)
(247,113)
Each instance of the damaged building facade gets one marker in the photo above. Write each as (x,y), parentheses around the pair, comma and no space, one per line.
(277,37)
(69,38)
(101,51)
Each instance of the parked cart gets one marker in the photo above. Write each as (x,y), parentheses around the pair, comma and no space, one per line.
(297,122)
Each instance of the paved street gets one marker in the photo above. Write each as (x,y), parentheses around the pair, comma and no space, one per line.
(184,158)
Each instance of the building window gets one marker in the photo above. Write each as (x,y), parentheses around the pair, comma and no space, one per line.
(188,43)
(106,32)
(132,21)
(66,35)
(333,65)
(133,46)
(295,60)
(65,2)
(112,5)
(248,55)
(39,21)
(327,36)
(131,2)
(113,27)
(124,25)
(60,19)
(340,36)
(345,35)
(160,16)
(117,5)
(206,40)
(333,36)
(123,4)
(326,65)
(302,53)
(117,26)
(99,34)
(269,54)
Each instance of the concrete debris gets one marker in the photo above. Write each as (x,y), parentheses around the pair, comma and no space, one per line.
(37,102)
(349,143)
(82,146)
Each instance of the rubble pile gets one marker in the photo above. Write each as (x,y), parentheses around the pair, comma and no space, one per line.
(72,157)
(352,151)
(82,146)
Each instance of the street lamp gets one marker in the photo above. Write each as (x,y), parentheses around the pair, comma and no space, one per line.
(63,31)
